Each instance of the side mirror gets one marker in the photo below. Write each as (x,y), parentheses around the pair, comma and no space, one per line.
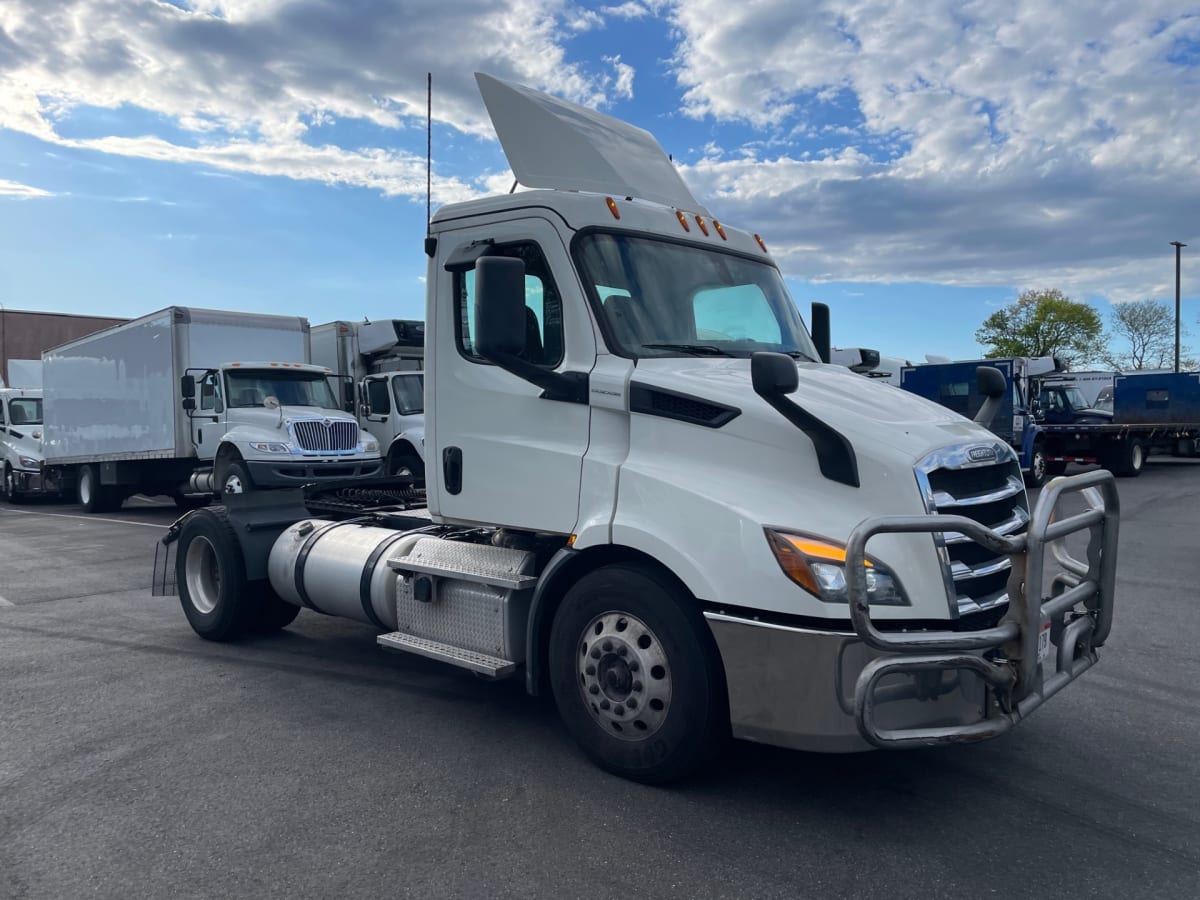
(499,307)
(348,396)
(187,389)
(820,330)
(773,374)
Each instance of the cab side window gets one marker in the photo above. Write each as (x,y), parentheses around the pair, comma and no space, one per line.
(208,392)
(377,397)
(2,420)
(543,308)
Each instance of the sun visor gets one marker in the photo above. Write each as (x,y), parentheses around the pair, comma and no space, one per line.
(551,143)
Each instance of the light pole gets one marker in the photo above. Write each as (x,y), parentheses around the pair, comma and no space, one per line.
(1178,247)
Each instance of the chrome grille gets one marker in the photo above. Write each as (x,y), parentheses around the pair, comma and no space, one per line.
(987,487)
(326,435)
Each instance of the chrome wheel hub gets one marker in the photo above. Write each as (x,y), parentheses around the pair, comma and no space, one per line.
(624,676)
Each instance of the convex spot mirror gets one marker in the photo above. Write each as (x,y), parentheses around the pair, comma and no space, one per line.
(773,373)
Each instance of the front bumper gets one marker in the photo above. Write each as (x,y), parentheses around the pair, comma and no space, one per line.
(29,482)
(838,691)
(292,472)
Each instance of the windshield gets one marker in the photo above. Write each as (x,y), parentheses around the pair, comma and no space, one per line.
(1076,398)
(251,387)
(410,394)
(25,411)
(658,298)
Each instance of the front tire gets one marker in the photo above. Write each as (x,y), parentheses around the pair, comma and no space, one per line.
(234,478)
(636,675)
(1038,474)
(11,494)
(401,461)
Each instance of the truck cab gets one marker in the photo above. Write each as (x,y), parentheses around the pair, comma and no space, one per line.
(21,455)
(392,405)
(266,424)
(649,493)
(1058,404)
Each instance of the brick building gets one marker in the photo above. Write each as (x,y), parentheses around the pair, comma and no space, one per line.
(25,334)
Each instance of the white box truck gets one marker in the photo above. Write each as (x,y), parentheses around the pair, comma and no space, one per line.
(189,402)
(649,495)
(382,362)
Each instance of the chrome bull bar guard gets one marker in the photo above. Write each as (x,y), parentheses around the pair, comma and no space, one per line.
(1079,611)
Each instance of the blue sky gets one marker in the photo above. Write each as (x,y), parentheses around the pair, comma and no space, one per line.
(914,165)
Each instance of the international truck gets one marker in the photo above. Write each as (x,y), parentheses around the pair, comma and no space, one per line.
(190,403)
(381,363)
(1050,423)
(21,443)
(649,496)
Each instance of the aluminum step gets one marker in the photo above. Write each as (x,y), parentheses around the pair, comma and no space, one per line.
(490,666)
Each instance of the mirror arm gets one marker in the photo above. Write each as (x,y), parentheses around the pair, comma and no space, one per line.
(568,387)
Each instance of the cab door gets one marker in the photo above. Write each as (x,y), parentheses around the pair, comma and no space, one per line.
(207,420)
(502,454)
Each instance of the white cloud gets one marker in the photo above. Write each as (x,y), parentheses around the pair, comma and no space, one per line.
(246,81)
(992,142)
(623,86)
(630,10)
(21,191)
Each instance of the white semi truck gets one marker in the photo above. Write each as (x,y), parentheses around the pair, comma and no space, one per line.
(191,402)
(381,362)
(21,442)
(649,496)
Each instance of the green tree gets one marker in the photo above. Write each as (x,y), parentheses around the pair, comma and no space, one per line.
(1044,323)
(1143,337)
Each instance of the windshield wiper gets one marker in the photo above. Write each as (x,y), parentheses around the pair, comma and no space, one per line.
(695,349)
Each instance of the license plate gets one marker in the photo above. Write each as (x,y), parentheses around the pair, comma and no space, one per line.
(1044,642)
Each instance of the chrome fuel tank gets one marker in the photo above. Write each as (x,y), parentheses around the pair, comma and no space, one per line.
(340,568)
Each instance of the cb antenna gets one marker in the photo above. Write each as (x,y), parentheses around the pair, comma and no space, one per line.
(430,240)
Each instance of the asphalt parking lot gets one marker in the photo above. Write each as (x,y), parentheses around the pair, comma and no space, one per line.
(139,760)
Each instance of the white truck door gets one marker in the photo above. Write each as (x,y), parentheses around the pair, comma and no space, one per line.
(501,454)
(208,418)
(377,412)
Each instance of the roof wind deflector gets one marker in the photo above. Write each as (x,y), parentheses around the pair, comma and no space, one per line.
(551,143)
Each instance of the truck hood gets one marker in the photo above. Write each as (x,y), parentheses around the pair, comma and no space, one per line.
(878,419)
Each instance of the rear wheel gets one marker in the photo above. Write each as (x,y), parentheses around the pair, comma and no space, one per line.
(637,676)
(1132,459)
(93,496)
(211,575)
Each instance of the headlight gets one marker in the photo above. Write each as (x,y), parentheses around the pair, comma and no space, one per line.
(270,447)
(819,567)
(29,462)
(371,446)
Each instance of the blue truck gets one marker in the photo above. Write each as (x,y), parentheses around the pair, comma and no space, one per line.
(1050,424)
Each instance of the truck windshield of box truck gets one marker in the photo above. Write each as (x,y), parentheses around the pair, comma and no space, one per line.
(659,298)
(251,387)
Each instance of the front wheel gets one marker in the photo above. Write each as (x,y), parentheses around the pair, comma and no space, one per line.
(636,675)
(11,494)
(410,462)
(234,478)
(1038,473)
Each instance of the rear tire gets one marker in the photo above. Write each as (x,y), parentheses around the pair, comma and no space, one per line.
(93,496)
(211,576)
(1127,460)
(637,676)
(273,613)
